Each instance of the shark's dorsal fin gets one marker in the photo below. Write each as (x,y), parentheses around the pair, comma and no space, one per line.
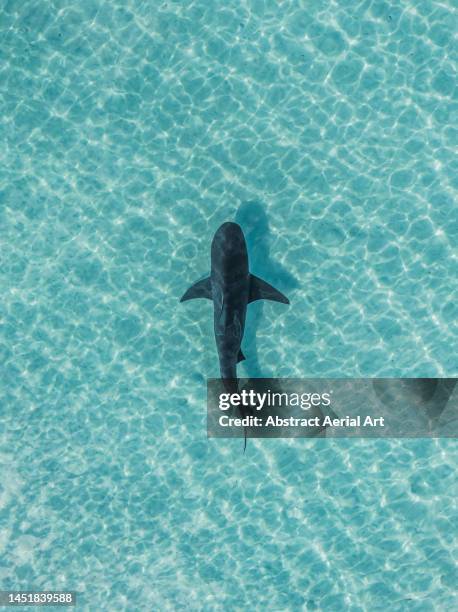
(260,290)
(201,289)
(241,356)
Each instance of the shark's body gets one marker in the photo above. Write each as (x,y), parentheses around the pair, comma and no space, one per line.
(231,287)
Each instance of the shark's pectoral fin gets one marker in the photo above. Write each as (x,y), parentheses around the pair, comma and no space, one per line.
(201,289)
(241,356)
(260,290)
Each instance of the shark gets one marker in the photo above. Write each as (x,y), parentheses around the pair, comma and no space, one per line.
(231,287)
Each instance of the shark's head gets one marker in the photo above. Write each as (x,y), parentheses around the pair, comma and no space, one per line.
(229,252)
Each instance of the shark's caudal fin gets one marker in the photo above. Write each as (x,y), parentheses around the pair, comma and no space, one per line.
(260,290)
(201,289)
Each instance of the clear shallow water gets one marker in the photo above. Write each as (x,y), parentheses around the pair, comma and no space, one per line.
(131,131)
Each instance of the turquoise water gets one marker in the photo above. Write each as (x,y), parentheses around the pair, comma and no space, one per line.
(129,132)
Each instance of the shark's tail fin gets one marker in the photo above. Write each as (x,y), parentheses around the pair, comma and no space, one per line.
(232,386)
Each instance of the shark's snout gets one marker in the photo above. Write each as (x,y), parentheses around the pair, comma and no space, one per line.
(229,233)
(229,227)
(228,241)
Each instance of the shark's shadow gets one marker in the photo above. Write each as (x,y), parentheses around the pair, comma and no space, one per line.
(430,395)
(253,220)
